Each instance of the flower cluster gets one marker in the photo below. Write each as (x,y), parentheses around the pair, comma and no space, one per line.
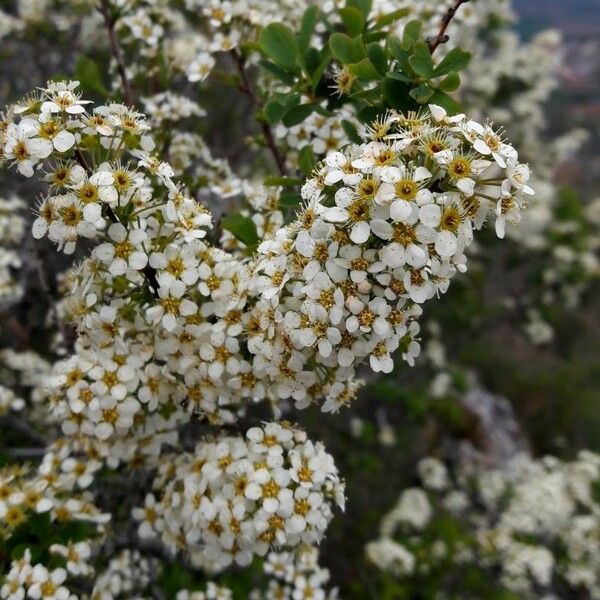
(295,576)
(34,580)
(12,230)
(56,488)
(384,228)
(291,576)
(21,372)
(535,522)
(127,575)
(166,320)
(235,498)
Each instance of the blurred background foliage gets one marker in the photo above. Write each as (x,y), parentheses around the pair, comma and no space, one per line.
(553,388)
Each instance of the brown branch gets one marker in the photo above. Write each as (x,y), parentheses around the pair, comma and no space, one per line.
(110,22)
(247,88)
(441,37)
(81,160)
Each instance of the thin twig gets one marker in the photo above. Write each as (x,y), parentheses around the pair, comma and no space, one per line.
(110,22)
(441,37)
(27,452)
(81,160)
(247,88)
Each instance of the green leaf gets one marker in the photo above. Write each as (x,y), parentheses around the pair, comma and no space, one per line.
(243,228)
(306,160)
(352,132)
(279,44)
(378,57)
(88,75)
(450,83)
(309,20)
(297,114)
(363,6)
(455,60)
(346,49)
(353,20)
(394,48)
(318,72)
(290,199)
(371,96)
(396,94)
(398,76)
(273,112)
(391,17)
(442,99)
(411,33)
(421,93)
(312,60)
(364,70)
(374,36)
(282,181)
(421,60)
(280,73)
(368,114)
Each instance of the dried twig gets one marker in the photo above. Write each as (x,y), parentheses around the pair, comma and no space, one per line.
(110,22)
(247,88)
(441,37)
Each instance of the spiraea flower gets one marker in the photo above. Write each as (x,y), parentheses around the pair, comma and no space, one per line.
(235,498)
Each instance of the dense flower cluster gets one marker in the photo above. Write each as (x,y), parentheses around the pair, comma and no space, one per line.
(167,320)
(21,372)
(295,576)
(171,327)
(234,498)
(127,575)
(383,230)
(535,522)
(56,488)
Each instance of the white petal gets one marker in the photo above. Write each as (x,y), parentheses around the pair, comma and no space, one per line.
(336,215)
(466,185)
(360,232)
(117,232)
(446,244)
(430,215)
(63,141)
(75,109)
(500,227)
(118,266)
(401,210)
(138,260)
(92,212)
(437,112)
(382,229)
(102,178)
(421,173)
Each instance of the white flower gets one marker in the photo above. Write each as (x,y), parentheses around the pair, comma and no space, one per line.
(125,252)
(47,585)
(62,98)
(201,67)
(171,305)
(61,139)
(22,147)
